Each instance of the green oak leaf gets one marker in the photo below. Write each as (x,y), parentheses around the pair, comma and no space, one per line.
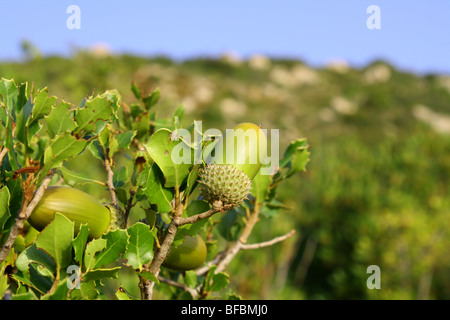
(32,254)
(137,91)
(56,240)
(220,281)
(59,120)
(3,116)
(100,108)
(140,248)
(229,227)
(120,177)
(10,144)
(150,100)
(96,150)
(141,124)
(154,188)
(116,244)
(4,277)
(63,148)
(196,206)
(29,295)
(105,137)
(9,93)
(36,277)
(79,243)
(164,151)
(124,139)
(149,276)
(120,295)
(190,279)
(192,179)
(60,292)
(92,248)
(5,197)
(294,160)
(71,178)
(22,129)
(22,97)
(260,186)
(16,195)
(216,281)
(88,291)
(113,142)
(99,274)
(42,105)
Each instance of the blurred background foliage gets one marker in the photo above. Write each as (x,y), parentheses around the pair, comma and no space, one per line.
(376,191)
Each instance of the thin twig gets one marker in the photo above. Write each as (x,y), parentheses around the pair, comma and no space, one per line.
(225,257)
(203,270)
(217,207)
(110,184)
(423,290)
(305,262)
(3,153)
(191,291)
(25,212)
(267,243)
(281,274)
(161,253)
(236,246)
(228,256)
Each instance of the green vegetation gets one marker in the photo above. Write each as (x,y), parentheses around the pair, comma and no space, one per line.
(376,191)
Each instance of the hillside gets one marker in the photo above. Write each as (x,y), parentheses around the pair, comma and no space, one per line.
(376,191)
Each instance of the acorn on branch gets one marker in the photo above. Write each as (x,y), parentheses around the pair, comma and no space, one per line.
(224,183)
(228,174)
(79,207)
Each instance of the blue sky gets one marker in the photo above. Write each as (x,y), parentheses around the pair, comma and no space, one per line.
(414,35)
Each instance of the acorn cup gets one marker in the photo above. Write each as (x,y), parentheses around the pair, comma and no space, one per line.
(189,255)
(237,158)
(76,205)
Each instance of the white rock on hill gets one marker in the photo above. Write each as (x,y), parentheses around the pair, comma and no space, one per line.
(344,106)
(232,108)
(438,121)
(259,62)
(377,74)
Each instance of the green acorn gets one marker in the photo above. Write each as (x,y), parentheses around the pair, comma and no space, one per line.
(74,204)
(224,183)
(237,158)
(243,148)
(189,255)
